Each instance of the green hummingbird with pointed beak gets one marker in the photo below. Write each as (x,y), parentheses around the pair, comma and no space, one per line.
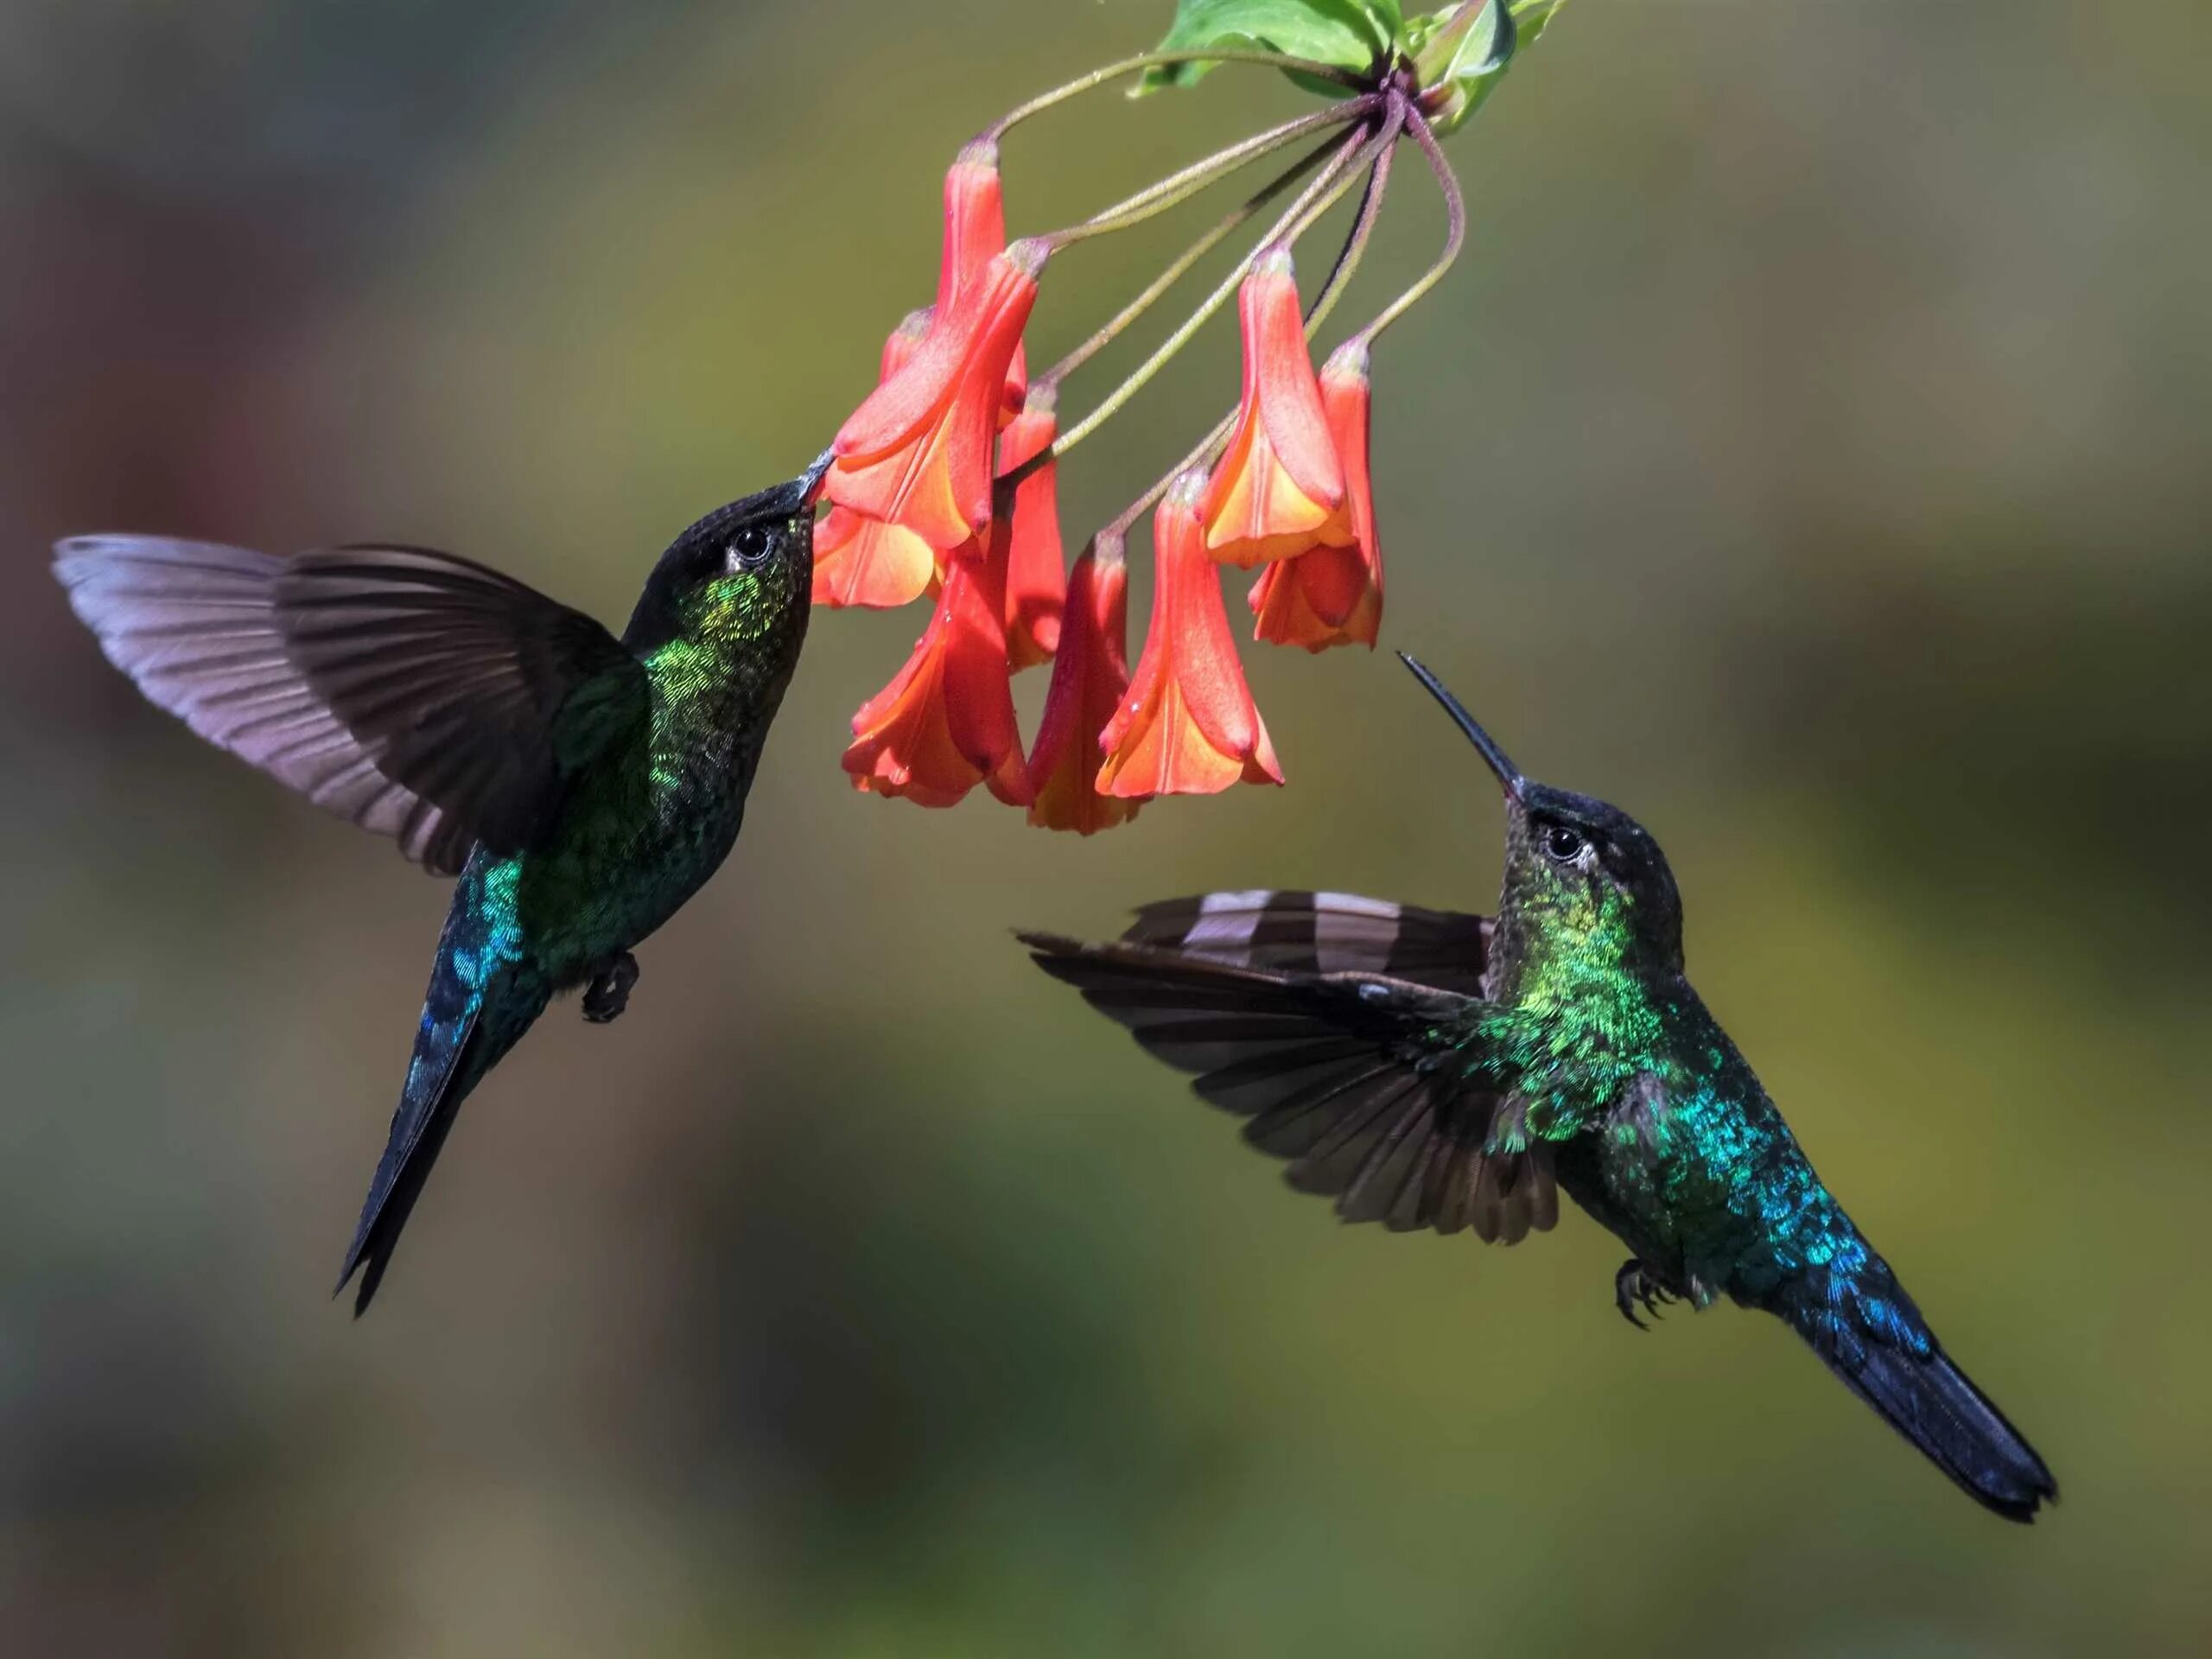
(1430,1070)
(582,787)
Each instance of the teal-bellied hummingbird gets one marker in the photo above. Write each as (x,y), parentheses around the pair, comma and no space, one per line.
(582,787)
(1454,1072)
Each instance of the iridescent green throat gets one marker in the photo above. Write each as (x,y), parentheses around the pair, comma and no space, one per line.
(1578,1021)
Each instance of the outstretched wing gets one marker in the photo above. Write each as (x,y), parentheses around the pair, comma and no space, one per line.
(1297,932)
(419,695)
(1354,1078)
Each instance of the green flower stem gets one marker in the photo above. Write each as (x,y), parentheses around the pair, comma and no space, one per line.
(1181,266)
(1202,455)
(1127,67)
(1180,186)
(1328,187)
(1455,235)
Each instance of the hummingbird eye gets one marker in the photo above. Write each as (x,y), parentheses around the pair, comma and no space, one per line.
(1562,845)
(749,548)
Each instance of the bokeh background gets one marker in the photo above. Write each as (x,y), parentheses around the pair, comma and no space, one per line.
(1810,455)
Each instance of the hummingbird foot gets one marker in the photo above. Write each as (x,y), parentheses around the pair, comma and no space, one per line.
(1637,1283)
(608,994)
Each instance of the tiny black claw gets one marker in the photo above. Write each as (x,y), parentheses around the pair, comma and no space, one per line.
(608,994)
(1627,1290)
(1637,1283)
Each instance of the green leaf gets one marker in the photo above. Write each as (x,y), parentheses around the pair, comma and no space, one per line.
(1347,34)
(1471,62)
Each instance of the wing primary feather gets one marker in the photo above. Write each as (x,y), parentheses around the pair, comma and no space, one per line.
(1347,1074)
(414,692)
(195,625)
(1298,930)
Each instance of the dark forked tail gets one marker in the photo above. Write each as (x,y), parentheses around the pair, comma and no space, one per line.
(1884,1351)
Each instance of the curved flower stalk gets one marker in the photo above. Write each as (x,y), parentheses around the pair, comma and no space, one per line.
(946,476)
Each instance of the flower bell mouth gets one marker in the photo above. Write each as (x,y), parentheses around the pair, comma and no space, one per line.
(946,721)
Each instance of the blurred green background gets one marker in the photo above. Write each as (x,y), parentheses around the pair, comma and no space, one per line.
(1810,455)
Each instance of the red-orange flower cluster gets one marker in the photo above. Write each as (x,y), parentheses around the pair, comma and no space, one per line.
(913,511)
(945,483)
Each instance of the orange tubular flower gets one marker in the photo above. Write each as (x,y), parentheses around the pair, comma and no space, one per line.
(1332,594)
(1187,726)
(1089,681)
(863,561)
(945,723)
(1036,571)
(1281,485)
(974,234)
(918,453)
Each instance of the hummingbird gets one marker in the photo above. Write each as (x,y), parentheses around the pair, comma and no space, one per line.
(582,787)
(1433,1070)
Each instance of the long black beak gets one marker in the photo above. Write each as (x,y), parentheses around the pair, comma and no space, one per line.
(1509,775)
(810,480)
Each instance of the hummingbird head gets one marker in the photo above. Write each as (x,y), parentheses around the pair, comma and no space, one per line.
(1581,876)
(742,575)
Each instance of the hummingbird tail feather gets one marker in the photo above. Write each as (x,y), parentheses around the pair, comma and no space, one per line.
(438,1077)
(464,1033)
(1932,1403)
